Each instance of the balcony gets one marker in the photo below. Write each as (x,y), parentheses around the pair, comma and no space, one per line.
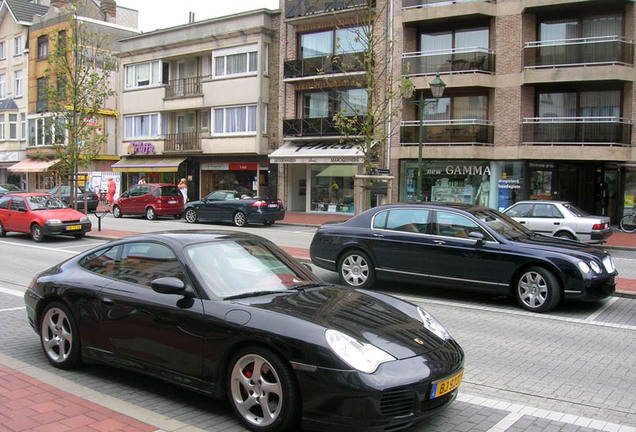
(604,50)
(182,142)
(312,127)
(340,64)
(406,4)
(584,131)
(452,60)
(299,8)
(449,132)
(184,87)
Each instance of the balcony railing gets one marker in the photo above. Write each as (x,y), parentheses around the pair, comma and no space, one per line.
(299,8)
(344,63)
(320,126)
(453,60)
(582,51)
(456,132)
(183,87)
(592,131)
(176,142)
(406,4)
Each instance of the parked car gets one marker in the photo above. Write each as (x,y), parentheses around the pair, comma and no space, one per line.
(560,219)
(91,197)
(240,208)
(7,188)
(151,200)
(465,246)
(232,315)
(42,215)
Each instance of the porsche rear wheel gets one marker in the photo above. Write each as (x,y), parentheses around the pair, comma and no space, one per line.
(356,270)
(59,336)
(263,391)
(190,215)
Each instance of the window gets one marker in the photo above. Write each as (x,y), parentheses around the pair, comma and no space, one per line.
(459,39)
(17,46)
(235,61)
(141,263)
(4,202)
(142,126)
(235,120)
(17,82)
(22,126)
(520,210)
(43,47)
(349,102)
(405,220)
(41,104)
(42,131)
(457,108)
(18,204)
(61,41)
(573,28)
(546,211)
(3,50)
(454,225)
(13,126)
(580,104)
(144,75)
(338,41)
(102,262)
(2,135)
(205,119)
(3,86)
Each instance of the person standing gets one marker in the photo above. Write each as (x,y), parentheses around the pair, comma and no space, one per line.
(183,187)
(112,188)
(142,180)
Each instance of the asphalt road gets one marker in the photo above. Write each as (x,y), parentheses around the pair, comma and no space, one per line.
(573,369)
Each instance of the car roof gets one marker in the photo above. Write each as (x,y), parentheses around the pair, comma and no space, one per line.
(28,194)
(192,236)
(542,201)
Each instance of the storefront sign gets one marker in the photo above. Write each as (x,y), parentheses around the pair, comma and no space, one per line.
(509,184)
(460,170)
(141,148)
(232,166)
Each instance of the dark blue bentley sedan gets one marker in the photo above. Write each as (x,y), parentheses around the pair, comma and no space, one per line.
(465,246)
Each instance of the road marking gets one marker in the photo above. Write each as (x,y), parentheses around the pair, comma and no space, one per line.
(11,291)
(607,304)
(13,309)
(517,411)
(38,247)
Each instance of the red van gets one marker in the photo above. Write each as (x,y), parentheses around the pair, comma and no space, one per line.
(150,199)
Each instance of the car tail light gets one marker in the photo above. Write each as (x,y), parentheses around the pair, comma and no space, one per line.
(259,203)
(597,227)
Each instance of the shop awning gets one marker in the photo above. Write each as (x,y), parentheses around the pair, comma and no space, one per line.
(131,164)
(317,152)
(339,171)
(32,165)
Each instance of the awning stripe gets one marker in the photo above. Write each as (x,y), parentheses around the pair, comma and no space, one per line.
(317,152)
(131,164)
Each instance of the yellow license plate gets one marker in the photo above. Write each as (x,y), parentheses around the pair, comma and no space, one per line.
(440,388)
(73,227)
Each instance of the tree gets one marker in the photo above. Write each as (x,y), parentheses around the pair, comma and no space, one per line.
(77,85)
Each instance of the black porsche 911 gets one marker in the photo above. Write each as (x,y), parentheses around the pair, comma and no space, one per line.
(463,246)
(232,315)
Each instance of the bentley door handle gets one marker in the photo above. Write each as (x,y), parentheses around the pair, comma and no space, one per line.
(378,235)
(439,242)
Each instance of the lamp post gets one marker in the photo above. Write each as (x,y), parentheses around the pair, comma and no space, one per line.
(437,88)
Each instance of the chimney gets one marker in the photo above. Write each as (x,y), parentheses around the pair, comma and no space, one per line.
(190,17)
(109,10)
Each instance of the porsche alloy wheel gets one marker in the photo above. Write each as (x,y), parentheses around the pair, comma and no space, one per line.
(538,290)
(190,215)
(59,336)
(262,390)
(356,270)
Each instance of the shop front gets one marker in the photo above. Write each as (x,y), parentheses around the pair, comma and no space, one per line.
(250,177)
(319,177)
(152,169)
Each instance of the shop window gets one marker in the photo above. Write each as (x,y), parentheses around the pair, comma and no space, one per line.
(332,187)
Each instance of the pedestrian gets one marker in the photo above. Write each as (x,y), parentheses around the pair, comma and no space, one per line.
(142,180)
(183,187)
(112,188)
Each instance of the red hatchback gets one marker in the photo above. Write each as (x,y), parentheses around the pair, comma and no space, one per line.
(150,199)
(40,214)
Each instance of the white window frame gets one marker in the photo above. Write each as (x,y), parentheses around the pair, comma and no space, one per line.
(23,123)
(3,86)
(223,112)
(2,133)
(3,50)
(40,135)
(154,78)
(220,70)
(17,46)
(17,83)
(130,125)
(13,126)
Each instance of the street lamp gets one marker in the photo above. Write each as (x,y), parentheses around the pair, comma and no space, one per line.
(437,88)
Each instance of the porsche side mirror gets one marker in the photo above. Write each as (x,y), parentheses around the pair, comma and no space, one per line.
(168,285)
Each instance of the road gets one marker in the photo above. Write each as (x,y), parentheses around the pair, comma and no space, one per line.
(573,369)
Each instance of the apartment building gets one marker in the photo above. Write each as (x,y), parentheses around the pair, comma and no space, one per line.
(538,103)
(16,16)
(199,101)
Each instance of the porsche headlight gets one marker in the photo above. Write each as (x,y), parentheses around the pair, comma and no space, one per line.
(432,325)
(359,355)
(53,222)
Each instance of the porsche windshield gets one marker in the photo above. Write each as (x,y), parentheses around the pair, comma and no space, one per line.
(45,202)
(236,268)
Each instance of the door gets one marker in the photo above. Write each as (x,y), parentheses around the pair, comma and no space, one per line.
(18,216)
(545,219)
(148,328)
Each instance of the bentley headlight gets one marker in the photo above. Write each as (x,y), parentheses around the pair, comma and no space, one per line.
(585,269)
(595,267)
(53,222)
(432,325)
(359,355)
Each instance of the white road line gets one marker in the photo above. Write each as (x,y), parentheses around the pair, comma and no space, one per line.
(13,309)
(607,304)
(38,247)
(517,411)
(11,291)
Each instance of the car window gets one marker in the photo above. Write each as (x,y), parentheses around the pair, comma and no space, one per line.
(216,196)
(45,202)
(18,204)
(379,220)
(143,262)
(546,211)
(4,202)
(136,191)
(167,191)
(408,220)
(230,196)
(575,210)
(103,261)
(454,225)
(520,210)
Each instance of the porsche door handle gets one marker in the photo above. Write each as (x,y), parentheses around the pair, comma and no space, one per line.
(108,301)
